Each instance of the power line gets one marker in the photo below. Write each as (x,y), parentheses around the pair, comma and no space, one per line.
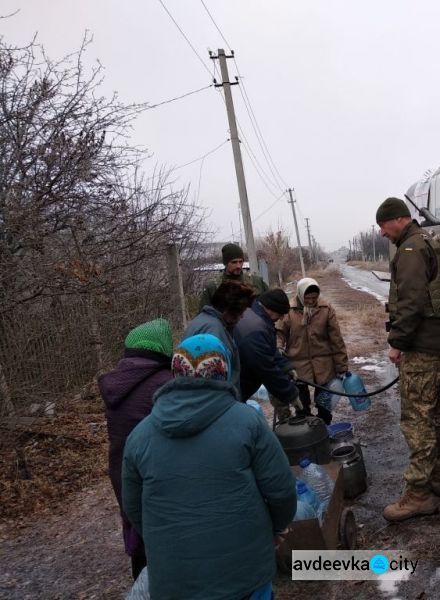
(248,105)
(246,145)
(191,162)
(201,157)
(206,87)
(271,206)
(185,36)
(216,26)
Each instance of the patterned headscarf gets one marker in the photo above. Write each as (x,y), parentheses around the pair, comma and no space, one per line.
(153,335)
(202,356)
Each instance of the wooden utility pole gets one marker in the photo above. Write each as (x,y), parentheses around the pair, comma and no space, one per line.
(292,204)
(235,141)
(312,259)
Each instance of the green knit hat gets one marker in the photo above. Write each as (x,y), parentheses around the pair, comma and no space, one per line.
(230,252)
(392,208)
(153,335)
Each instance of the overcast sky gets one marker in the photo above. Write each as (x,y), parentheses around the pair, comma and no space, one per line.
(346,94)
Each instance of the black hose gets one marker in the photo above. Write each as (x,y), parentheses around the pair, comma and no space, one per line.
(366,395)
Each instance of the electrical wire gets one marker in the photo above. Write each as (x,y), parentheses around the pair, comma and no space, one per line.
(216,26)
(269,208)
(248,105)
(201,157)
(206,87)
(185,37)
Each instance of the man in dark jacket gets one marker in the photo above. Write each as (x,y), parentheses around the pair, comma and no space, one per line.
(414,339)
(233,258)
(128,393)
(261,361)
(229,301)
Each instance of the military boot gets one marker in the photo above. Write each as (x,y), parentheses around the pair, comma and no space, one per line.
(412,504)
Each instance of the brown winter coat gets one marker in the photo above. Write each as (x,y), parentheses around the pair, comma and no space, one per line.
(317,349)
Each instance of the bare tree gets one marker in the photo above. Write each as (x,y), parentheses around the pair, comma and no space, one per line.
(79,221)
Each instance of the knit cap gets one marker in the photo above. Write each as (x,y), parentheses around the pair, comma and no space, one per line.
(153,335)
(231,252)
(392,208)
(275,300)
(202,356)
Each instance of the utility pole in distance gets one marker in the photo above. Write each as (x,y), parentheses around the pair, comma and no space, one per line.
(291,202)
(235,141)
(374,243)
(312,259)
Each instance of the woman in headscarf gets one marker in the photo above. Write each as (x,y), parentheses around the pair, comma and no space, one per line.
(312,340)
(206,483)
(128,396)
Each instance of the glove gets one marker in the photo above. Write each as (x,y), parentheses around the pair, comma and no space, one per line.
(293,375)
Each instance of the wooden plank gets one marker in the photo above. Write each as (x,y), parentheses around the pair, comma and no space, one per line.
(382,275)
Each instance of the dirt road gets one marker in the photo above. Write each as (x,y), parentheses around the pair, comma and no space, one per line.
(76,553)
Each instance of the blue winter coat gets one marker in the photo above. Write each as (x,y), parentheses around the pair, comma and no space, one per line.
(207,483)
(261,361)
(210,320)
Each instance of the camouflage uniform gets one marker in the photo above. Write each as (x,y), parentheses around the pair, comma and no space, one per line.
(415,330)
(420,417)
(251,279)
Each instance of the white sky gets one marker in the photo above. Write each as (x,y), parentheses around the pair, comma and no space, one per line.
(346,94)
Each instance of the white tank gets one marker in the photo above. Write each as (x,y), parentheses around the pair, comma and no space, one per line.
(426,194)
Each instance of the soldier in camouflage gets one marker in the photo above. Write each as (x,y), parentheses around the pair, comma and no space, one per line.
(414,339)
(233,258)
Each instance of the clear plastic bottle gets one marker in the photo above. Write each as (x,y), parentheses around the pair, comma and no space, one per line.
(306,495)
(304,511)
(353,384)
(261,393)
(329,399)
(254,405)
(319,480)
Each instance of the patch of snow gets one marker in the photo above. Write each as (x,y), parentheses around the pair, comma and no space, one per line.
(373,368)
(389,587)
(360,359)
(367,290)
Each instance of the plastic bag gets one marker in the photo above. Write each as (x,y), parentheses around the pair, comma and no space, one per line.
(141,587)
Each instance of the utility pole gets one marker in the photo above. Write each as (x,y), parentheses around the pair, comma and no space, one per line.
(239,223)
(310,240)
(235,141)
(292,204)
(374,243)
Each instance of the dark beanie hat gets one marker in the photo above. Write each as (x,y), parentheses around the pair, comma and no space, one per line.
(392,208)
(275,300)
(230,252)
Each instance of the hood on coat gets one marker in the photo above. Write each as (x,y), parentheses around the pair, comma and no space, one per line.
(130,372)
(303,285)
(186,406)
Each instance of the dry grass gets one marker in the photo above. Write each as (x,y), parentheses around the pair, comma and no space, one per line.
(363,328)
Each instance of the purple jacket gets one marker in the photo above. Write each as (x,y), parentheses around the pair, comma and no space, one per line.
(128,396)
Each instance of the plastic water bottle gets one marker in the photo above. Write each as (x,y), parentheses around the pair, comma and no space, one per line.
(262,393)
(307,496)
(254,405)
(353,384)
(318,479)
(304,511)
(329,399)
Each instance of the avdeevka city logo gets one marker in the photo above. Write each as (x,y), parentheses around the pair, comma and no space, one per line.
(379,564)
